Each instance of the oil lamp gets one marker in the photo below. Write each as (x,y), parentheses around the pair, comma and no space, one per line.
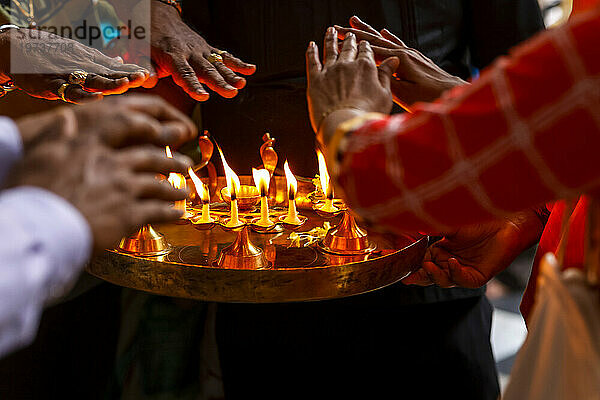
(292,220)
(233,188)
(178,182)
(326,209)
(205,221)
(261,179)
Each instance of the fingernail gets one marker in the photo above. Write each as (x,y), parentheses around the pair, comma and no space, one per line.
(349,35)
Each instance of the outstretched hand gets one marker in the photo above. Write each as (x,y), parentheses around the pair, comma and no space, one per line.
(417,78)
(346,79)
(178,51)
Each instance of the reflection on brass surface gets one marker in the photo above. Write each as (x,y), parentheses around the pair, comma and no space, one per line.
(145,242)
(292,227)
(256,227)
(242,254)
(347,238)
(292,274)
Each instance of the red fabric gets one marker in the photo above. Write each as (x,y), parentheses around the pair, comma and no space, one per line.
(526,133)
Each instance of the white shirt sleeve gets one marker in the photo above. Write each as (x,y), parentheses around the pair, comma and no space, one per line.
(11,146)
(44,243)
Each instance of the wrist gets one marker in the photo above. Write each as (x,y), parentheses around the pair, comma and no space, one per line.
(530,226)
(333,119)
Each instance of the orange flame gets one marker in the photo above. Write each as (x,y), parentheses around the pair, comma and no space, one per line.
(233,182)
(261,180)
(292,183)
(201,188)
(324,176)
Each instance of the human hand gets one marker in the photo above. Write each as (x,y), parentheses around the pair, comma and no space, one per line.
(118,122)
(54,58)
(178,51)
(471,256)
(346,80)
(417,78)
(115,190)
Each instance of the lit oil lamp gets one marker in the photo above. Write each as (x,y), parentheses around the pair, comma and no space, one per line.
(204,221)
(178,182)
(247,195)
(325,209)
(233,188)
(263,224)
(292,220)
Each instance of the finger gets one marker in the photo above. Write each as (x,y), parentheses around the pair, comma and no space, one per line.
(386,70)
(175,134)
(152,79)
(95,82)
(365,52)
(75,94)
(362,35)
(465,276)
(437,275)
(356,22)
(330,47)
(419,278)
(381,53)
(185,77)
(230,77)
(392,38)
(153,212)
(237,65)
(313,64)
(209,75)
(349,49)
(153,159)
(146,186)
(159,109)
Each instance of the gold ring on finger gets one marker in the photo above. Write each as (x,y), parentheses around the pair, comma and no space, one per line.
(78,77)
(214,58)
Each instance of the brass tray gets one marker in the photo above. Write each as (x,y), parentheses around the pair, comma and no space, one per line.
(295,274)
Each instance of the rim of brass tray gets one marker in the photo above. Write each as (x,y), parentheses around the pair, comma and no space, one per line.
(275,285)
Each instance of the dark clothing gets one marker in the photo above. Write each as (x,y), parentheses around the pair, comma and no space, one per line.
(409,342)
(330,350)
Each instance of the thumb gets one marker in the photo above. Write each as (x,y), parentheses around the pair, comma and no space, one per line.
(387,69)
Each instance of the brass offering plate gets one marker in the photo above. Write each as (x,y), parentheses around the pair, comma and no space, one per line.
(291,274)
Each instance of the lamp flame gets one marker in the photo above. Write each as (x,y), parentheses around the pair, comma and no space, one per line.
(201,188)
(292,183)
(324,176)
(261,180)
(233,182)
(168,151)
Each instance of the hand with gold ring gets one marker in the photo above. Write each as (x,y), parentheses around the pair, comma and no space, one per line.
(178,51)
(90,73)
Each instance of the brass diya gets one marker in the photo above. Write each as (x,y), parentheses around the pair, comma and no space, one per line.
(242,254)
(145,242)
(347,238)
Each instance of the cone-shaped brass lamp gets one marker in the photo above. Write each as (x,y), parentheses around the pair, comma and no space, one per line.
(347,238)
(242,254)
(145,242)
